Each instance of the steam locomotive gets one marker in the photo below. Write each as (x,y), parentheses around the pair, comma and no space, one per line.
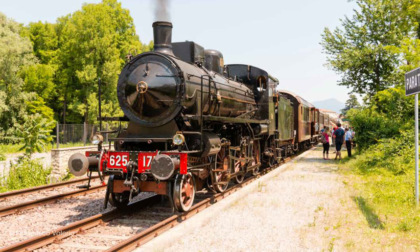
(195,122)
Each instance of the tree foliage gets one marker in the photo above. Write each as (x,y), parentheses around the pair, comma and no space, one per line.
(50,71)
(351,103)
(93,44)
(15,53)
(359,51)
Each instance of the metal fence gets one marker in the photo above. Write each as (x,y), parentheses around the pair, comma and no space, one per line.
(74,133)
(68,135)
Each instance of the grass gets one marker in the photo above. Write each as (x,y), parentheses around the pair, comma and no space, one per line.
(313,223)
(319,208)
(381,180)
(331,244)
(385,199)
(260,186)
(10,148)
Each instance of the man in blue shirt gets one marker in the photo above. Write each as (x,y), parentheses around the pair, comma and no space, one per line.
(348,137)
(339,139)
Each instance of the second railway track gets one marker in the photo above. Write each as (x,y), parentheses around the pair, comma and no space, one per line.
(15,208)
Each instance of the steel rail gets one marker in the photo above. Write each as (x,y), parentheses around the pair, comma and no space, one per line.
(31,204)
(76,227)
(44,187)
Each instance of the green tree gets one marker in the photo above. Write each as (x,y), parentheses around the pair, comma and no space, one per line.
(393,103)
(39,78)
(15,52)
(359,51)
(93,44)
(351,103)
(44,39)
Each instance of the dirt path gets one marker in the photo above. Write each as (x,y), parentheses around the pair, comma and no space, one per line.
(306,207)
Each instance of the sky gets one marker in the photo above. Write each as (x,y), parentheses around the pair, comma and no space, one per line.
(280,36)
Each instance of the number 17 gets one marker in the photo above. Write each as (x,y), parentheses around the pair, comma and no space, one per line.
(147,160)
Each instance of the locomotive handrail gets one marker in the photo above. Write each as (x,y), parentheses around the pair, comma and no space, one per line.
(226,119)
(107,131)
(216,82)
(142,139)
(121,118)
(191,132)
(202,107)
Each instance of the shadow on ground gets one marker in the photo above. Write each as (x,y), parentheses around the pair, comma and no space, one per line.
(372,218)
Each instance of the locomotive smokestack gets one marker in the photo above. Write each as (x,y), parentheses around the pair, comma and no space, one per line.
(162,35)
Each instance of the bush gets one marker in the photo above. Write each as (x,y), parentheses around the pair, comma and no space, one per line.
(26,173)
(395,155)
(371,126)
(35,133)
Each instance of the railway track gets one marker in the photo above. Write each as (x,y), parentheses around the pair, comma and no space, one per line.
(126,243)
(42,188)
(8,210)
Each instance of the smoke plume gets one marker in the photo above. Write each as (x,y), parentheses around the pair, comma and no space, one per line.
(162,10)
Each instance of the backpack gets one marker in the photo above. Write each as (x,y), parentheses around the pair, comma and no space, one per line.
(339,133)
(323,139)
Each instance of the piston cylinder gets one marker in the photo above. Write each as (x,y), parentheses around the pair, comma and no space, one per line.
(211,144)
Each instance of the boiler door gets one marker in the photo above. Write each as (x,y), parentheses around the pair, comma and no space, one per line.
(149,91)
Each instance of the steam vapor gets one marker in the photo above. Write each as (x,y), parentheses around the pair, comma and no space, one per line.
(162,10)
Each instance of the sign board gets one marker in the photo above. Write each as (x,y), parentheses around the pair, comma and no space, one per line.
(412,82)
(412,86)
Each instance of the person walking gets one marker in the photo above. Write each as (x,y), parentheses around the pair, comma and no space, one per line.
(352,137)
(325,138)
(339,140)
(348,137)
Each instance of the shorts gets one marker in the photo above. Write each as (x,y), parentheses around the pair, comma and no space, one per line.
(338,145)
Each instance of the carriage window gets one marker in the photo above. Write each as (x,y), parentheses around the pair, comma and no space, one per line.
(305,114)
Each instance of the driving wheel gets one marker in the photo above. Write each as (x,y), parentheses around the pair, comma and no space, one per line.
(184,192)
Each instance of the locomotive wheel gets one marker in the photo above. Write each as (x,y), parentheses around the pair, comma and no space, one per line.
(256,154)
(222,176)
(237,168)
(119,200)
(184,192)
(272,161)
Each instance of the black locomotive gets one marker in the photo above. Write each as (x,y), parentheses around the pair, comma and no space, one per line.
(195,122)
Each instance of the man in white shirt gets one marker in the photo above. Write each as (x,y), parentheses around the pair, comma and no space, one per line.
(348,137)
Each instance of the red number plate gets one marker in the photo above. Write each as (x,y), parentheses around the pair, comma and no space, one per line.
(144,160)
(118,160)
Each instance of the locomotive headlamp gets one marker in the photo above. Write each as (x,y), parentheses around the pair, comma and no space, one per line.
(178,139)
(97,139)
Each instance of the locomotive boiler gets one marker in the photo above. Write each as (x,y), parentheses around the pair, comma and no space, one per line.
(193,122)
